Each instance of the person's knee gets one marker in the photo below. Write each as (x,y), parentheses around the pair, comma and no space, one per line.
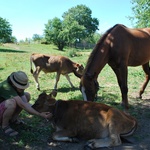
(28,96)
(11,104)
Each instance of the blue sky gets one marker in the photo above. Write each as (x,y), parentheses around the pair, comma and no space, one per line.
(29,17)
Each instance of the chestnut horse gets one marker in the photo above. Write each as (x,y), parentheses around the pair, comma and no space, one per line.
(120,47)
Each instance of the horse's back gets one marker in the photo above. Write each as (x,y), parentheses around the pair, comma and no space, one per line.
(130,45)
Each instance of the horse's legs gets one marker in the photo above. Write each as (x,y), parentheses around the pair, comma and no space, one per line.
(147,78)
(121,73)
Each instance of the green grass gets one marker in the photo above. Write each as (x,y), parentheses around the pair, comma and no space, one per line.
(16,57)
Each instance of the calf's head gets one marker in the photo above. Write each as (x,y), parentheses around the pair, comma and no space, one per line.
(45,102)
(79,68)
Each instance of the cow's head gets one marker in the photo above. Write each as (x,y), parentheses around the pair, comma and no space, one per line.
(45,102)
(79,68)
(89,87)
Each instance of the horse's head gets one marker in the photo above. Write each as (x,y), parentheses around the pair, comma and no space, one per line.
(89,87)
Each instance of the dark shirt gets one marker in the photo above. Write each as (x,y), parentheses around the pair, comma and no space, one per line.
(7,90)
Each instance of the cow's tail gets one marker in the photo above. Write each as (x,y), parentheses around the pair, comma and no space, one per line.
(31,61)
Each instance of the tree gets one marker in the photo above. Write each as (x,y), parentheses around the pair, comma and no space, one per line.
(13,39)
(80,22)
(5,31)
(37,37)
(77,25)
(141,10)
(73,31)
(54,33)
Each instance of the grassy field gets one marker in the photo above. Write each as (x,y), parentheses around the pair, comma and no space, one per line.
(16,57)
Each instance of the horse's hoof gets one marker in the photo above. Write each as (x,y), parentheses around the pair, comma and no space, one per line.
(139,97)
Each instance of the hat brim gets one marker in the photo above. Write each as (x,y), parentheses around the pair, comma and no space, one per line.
(19,86)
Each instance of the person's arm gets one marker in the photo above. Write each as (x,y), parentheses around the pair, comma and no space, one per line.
(27,106)
(24,98)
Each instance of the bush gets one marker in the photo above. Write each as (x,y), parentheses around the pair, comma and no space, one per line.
(72,53)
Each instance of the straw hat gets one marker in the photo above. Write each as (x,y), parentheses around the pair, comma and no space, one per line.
(19,79)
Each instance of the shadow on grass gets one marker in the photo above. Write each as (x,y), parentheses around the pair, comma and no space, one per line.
(36,137)
(62,90)
(109,99)
(1,68)
(12,51)
(33,134)
(67,89)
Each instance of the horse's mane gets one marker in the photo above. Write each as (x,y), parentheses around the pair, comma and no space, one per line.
(101,40)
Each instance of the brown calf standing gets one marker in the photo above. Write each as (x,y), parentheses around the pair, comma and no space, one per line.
(101,124)
(51,63)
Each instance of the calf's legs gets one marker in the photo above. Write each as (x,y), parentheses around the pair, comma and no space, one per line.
(58,77)
(68,78)
(35,75)
(64,136)
(106,142)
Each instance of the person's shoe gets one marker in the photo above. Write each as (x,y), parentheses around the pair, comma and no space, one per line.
(8,131)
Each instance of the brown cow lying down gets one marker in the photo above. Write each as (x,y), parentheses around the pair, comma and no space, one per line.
(54,63)
(98,123)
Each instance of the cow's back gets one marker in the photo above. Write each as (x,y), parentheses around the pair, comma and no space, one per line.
(61,64)
(81,118)
(40,60)
(53,63)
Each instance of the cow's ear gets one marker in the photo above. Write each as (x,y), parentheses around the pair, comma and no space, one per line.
(53,93)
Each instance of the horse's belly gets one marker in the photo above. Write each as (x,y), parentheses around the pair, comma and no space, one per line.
(137,61)
(135,64)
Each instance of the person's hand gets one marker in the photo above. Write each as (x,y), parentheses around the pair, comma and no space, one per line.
(46,115)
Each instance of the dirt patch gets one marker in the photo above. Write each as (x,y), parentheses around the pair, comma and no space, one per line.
(140,109)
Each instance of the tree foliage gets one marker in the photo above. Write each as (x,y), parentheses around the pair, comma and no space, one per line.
(77,25)
(37,37)
(5,31)
(54,33)
(83,16)
(141,10)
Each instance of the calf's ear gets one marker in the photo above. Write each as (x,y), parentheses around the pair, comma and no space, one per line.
(53,94)
(77,67)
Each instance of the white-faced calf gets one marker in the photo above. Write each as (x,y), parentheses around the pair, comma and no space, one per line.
(54,63)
